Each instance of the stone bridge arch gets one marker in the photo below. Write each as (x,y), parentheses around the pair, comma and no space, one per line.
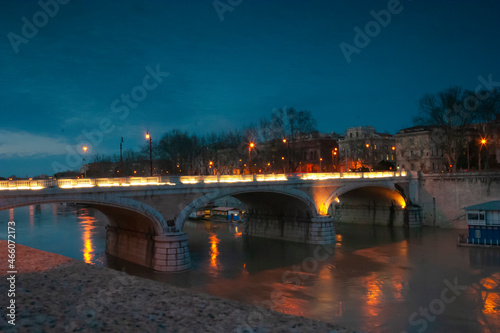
(136,231)
(273,212)
(374,203)
(350,187)
(124,213)
(297,196)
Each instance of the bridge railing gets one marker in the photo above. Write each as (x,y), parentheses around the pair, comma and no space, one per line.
(38,184)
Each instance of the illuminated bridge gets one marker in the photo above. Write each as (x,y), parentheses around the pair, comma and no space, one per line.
(146,215)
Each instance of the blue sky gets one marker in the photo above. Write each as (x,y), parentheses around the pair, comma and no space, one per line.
(223,74)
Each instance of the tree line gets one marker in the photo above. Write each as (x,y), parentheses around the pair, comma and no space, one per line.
(465,124)
(223,152)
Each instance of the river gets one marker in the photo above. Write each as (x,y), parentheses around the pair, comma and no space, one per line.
(374,279)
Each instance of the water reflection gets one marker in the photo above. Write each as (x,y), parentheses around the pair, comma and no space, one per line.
(87,223)
(32,215)
(373,282)
(489,293)
(214,252)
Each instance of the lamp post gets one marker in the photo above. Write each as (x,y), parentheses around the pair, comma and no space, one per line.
(288,154)
(370,154)
(84,148)
(148,137)
(250,146)
(320,164)
(121,157)
(482,142)
(334,153)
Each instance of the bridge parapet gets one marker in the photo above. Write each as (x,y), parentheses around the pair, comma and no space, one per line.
(38,184)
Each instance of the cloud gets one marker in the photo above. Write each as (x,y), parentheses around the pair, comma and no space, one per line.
(23,144)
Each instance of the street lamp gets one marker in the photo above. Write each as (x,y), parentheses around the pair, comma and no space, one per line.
(288,154)
(148,137)
(482,142)
(370,154)
(84,148)
(334,153)
(210,164)
(320,163)
(121,158)
(250,146)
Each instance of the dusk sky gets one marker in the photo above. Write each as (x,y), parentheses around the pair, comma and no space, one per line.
(223,70)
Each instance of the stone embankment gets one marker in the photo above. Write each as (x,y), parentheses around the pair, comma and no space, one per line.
(58,294)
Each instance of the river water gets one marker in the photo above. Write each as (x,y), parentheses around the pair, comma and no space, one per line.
(374,279)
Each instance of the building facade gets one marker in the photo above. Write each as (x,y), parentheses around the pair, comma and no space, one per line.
(418,150)
(316,152)
(363,148)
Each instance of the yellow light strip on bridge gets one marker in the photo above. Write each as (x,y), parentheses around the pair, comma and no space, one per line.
(149,183)
(352,176)
(66,184)
(378,174)
(235,180)
(319,176)
(189,181)
(77,186)
(273,178)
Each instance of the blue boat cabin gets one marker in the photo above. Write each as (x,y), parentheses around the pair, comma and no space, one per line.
(483,221)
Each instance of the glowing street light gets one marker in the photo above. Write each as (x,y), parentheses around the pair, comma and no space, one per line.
(84,148)
(250,146)
(483,142)
(148,137)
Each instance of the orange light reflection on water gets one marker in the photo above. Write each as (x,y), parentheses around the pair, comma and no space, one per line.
(11,214)
(373,293)
(87,223)
(491,296)
(214,251)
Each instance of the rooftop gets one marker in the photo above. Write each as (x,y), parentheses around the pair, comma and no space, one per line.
(491,205)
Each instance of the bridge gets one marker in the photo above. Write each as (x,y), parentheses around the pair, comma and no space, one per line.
(146,215)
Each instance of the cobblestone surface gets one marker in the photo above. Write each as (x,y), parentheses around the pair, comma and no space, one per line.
(59,294)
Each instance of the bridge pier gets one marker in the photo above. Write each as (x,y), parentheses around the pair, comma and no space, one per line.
(164,253)
(316,230)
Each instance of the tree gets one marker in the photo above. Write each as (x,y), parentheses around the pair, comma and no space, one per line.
(180,148)
(294,126)
(450,111)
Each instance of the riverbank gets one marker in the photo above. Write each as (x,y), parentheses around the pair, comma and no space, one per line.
(59,294)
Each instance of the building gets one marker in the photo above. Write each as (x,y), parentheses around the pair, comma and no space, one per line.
(363,148)
(425,148)
(483,221)
(316,152)
(418,149)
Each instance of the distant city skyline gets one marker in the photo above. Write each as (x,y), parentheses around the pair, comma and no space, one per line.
(73,72)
